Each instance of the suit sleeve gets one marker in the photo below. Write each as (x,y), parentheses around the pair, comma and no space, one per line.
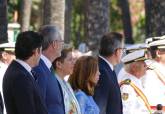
(23,92)
(102,91)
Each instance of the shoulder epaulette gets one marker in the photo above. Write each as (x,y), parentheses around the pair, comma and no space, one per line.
(126,82)
(151,67)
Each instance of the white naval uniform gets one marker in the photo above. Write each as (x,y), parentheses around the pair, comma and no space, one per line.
(3,68)
(121,74)
(153,86)
(132,102)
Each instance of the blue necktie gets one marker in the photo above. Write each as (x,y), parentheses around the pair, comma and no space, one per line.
(52,70)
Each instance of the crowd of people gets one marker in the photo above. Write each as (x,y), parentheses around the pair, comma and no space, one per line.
(40,75)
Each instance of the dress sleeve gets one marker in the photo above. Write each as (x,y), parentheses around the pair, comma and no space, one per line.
(81,98)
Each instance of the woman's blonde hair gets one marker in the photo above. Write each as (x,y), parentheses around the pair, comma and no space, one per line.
(83,74)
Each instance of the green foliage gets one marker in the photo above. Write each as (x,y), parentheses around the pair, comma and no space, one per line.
(139,30)
(117,25)
(78,19)
(13,5)
(115,16)
(77,25)
(35,15)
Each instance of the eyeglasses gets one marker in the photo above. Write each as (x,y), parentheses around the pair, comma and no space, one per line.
(62,41)
(123,49)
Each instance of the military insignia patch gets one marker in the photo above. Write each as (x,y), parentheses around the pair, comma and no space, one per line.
(125,96)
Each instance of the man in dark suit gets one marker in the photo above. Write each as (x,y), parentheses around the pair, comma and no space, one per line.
(49,86)
(107,92)
(20,89)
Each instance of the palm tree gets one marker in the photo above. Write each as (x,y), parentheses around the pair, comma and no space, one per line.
(3,21)
(96,21)
(54,13)
(68,19)
(25,13)
(155,24)
(126,18)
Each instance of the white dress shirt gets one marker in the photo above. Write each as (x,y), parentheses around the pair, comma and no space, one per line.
(110,65)
(46,61)
(25,65)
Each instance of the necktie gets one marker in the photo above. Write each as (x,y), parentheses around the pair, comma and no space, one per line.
(52,69)
(115,77)
(34,74)
(114,74)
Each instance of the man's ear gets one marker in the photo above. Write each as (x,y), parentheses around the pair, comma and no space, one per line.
(117,52)
(55,44)
(158,53)
(35,51)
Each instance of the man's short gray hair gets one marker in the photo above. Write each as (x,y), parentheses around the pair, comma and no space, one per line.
(50,33)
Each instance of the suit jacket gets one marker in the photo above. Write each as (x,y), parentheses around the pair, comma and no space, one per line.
(107,92)
(20,91)
(50,89)
(1,104)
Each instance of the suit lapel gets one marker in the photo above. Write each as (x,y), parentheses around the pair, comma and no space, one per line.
(52,74)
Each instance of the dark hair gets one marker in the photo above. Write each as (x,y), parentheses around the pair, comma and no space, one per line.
(26,43)
(83,74)
(64,54)
(109,43)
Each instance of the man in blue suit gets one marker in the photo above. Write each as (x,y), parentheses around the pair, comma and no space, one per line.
(107,92)
(49,87)
(20,89)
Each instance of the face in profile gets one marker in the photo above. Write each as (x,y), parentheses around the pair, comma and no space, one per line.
(8,57)
(11,58)
(141,68)
(118,53)
(161,55)
(67,64)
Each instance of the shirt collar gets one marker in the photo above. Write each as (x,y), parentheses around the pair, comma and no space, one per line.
(46,61)
(25,65)
(58,77)
(110,65)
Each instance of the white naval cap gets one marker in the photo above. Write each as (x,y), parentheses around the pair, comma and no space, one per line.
(152,39)
(159,44)
(135,47)
(134,56)
(7,46)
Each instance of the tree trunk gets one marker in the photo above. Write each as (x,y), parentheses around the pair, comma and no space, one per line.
(25,13)
(149,28)
(155,24)
(68,20)
(96,22)
(3,21)
(126,18)
(54,13)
